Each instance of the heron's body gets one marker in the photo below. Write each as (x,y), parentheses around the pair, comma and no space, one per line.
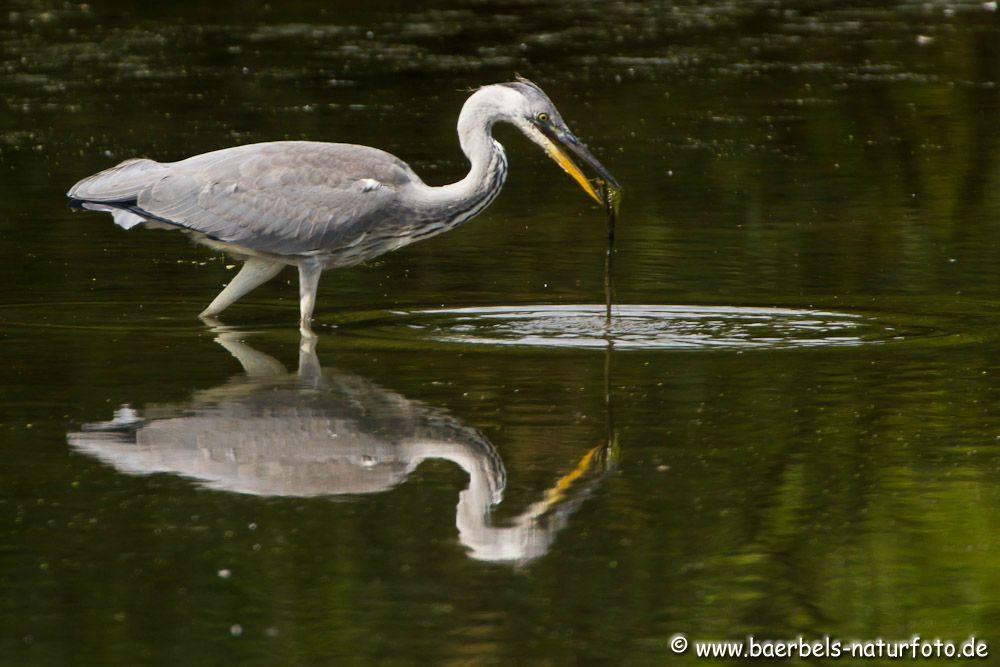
(322,205)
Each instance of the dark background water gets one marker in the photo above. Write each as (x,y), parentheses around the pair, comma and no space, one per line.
(834,155)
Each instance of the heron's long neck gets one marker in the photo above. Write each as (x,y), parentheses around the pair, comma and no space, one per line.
(486,156)
(462,200)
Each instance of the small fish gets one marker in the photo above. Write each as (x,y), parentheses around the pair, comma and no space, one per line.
(612,198)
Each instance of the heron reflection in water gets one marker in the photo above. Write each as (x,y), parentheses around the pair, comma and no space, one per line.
(324,432)
(317,205)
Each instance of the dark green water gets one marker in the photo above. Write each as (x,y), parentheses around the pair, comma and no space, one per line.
(795,431)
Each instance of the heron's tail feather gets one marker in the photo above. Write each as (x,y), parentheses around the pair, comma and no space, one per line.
(116,190)
(119,183)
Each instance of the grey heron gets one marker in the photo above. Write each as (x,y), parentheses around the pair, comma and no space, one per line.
(320,205)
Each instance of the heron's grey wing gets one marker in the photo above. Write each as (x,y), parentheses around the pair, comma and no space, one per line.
(288,198)
(283,197)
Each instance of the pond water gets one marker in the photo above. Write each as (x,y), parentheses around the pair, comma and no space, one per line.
(790,427)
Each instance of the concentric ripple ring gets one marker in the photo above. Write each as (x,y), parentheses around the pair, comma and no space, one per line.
(647,327)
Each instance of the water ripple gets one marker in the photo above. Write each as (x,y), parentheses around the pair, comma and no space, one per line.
(645,327)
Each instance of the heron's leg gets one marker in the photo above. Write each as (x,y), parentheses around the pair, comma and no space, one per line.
(255,272)
(309,272)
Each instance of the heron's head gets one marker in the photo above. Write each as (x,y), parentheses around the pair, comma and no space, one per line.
(526,106)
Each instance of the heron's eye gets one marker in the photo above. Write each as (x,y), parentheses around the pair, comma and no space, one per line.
(542,117)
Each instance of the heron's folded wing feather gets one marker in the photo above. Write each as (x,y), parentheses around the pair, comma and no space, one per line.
(283,198)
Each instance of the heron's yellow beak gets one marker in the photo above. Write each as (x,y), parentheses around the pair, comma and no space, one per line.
(559,156)
(554,138)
